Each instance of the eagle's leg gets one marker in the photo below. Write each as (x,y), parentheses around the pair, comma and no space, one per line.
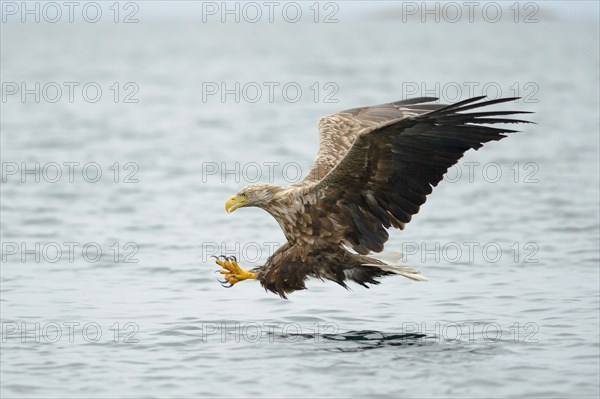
(232,272)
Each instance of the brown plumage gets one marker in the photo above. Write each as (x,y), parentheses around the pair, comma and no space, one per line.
(374,169)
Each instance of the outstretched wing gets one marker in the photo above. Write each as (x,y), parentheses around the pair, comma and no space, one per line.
(391,167)
(338,131)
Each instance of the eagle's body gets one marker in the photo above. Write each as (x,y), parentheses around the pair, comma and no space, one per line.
(374,169)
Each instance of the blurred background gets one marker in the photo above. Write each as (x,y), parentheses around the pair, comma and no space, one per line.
(126,125)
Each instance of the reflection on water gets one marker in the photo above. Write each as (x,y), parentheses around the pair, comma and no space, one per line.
(367,340)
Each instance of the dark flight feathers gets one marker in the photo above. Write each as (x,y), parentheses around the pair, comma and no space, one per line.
(399,152)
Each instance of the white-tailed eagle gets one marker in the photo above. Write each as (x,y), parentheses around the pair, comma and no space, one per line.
(374,169)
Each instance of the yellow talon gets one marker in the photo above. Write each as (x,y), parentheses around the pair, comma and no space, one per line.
(232,272)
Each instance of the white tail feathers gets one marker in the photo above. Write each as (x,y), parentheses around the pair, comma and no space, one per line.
(389,257)
(401,270)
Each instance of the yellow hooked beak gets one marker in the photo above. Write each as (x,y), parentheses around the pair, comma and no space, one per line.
(234,203)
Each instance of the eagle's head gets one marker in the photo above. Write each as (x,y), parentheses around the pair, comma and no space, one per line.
(259,195)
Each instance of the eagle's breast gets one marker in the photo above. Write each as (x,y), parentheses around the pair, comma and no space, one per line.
(299,219)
